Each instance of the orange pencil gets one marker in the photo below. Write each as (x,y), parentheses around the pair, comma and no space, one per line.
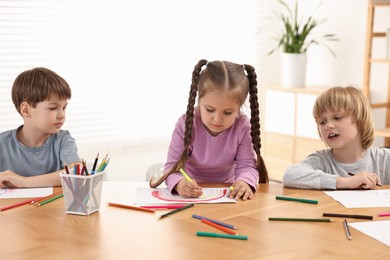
(37,200)
(130,207)
(227,230)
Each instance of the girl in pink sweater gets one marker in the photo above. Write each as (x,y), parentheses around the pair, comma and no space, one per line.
(214,142)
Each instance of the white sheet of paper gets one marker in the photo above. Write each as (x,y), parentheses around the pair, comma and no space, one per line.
(361,198)
(145,196)
(7,193)
(380,230)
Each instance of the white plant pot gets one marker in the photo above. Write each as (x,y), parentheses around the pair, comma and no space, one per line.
(293,70)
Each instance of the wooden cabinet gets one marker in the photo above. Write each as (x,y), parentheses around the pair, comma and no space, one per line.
(290,132)
(377,67)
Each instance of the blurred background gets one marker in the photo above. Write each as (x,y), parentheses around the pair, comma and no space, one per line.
(129,63)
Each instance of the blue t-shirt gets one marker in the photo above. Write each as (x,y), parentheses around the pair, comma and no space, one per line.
(32,161)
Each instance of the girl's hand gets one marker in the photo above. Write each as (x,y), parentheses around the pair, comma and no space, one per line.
(9,179)
(188,189)
(361,180)
(241,190)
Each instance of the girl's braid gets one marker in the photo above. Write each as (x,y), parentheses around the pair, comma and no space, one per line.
(188,123)
(255,122)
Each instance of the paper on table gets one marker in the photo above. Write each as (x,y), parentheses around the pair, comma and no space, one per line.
(375,229)
(361,198)
(8,193)
(146,196)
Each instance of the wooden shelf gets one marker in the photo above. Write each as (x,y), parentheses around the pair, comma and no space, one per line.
(369,60)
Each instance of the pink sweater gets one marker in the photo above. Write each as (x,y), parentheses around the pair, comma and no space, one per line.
(224,158)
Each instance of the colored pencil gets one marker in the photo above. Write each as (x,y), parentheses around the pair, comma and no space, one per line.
(347,231)
(222,228)
(297,199)
(301,219)
(18,204)
(100,168)
(105,165)
(176,210)
(37,200)
(94,164)
(185,175)
(214,221)
(347,216)
(384,214)
(210,234)
(66,168)
(50,200)
(173,206)
(130,207)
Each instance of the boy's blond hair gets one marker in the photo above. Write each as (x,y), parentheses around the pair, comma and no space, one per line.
(352,102)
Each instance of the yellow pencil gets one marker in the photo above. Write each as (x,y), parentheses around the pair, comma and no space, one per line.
(102,163)
(188,178)
(185,175)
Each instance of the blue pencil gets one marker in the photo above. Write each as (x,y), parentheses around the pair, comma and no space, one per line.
(214,221)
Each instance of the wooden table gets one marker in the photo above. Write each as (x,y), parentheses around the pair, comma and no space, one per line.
(47,232)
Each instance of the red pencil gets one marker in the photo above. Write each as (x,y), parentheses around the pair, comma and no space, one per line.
(227,230)
(172,206)
(18,204)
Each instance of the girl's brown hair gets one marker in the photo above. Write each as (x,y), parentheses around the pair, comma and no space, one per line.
(226,76)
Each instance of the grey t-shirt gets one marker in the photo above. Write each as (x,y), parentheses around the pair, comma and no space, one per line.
(28,161)
(320,170)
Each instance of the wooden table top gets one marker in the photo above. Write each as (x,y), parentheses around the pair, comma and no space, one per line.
(47,232)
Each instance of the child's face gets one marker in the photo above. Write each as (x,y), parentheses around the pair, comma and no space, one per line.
(218,110)
(48,116)
(338,129)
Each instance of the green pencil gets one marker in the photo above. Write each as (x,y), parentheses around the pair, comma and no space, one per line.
(297,199)
(210,234)
(176,210)
(51,199)
(301,219)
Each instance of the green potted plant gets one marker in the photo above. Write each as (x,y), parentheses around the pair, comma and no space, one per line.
(294,37)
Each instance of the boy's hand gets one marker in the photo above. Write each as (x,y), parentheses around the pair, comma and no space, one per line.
(361,180)
(9,179)
(241,190)
(188,189)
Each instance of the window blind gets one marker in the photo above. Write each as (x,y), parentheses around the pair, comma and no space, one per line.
(129,63)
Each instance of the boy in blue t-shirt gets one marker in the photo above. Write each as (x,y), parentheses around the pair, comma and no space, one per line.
(35,153)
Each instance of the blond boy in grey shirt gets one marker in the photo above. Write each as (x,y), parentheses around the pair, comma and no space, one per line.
(345,124)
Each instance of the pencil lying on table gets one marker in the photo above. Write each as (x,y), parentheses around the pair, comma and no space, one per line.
(346,216)
(50,199)
(297,199)
(211,234)
(222,228)
(301,219)
(37,200)
(130,207)
(176,210)
(18,204)
(214,221)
